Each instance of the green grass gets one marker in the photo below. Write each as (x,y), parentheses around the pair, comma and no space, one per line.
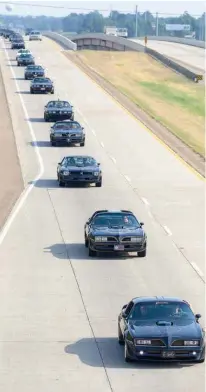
(193,103)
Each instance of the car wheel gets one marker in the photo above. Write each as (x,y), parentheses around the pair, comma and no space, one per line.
(61,183)
(53,143)
(86,242)
(142,254)
(26,78)
(82,144)
(126,357)
(45,119)
(52,92)
(18,64)
(31,91)
(120,336)
(202,359)
(92,253)
(99,184)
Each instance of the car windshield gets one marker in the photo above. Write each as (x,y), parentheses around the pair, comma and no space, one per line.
(25,55)
(59,104)
(66,126)
(80,161)
(161,311)
(41,80)
(119,220)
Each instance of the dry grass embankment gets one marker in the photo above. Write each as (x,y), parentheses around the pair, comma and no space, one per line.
(170,98)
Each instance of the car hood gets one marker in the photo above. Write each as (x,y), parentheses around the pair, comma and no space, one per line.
(42,83)
(181,329)
(66,131)
(64,108)
(80,169)
(97,230)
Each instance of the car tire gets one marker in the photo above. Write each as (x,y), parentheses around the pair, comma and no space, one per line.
(92,253)
(99,184)
(126,357)
(142,253)
(82,144)
(61,183)
(120,336)
(53,143)
(46,119)
(203,357)
(31,91)
(86,242)
(26,78)
(52,92)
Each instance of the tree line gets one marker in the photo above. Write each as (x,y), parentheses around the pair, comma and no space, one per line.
(94,22)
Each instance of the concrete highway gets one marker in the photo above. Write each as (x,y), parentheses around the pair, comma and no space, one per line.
(59,308)
(186,55)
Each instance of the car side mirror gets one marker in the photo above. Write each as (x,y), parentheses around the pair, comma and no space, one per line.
(59,163)
(197,316)
(141,223)
(98,164)
(82,128)
(124,315)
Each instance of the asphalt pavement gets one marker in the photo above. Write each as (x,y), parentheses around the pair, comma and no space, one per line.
(59,308)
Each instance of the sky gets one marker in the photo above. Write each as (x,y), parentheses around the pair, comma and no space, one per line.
(165,7)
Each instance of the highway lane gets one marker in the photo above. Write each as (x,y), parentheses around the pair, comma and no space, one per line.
(55,298)
(185,54)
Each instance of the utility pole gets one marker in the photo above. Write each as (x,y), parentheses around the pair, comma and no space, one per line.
(157,25)
(136,21)
(145,22)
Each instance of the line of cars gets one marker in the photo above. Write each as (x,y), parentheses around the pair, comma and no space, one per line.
(150,328)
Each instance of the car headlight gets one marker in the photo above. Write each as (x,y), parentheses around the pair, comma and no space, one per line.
(141,342)
(191,343)
(136,239)
(66,173)
(100,239)
(96,174)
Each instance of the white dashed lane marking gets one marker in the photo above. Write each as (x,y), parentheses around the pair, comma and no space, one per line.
(168,231)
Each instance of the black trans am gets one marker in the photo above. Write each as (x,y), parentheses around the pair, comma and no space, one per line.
(25,59)
(67,132)
(33,71)
(160,328)
(115,231)
(79,169)
(41,85)
(58,110)
(18,44)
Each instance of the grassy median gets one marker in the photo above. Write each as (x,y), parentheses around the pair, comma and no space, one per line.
(170,98)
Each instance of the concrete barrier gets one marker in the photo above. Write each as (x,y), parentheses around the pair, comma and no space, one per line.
(65,42)
(175,66)
(184,41)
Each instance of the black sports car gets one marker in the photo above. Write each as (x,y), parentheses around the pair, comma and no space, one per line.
(41,85)
(67,132)
(32,71)
(160,328)
(80,169)
(58,110)
(25,59)
(18,44)
(115,232)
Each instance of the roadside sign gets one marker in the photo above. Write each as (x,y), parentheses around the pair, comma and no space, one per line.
(145,40)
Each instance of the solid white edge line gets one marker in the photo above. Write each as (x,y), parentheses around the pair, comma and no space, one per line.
(20,202)
(94,133)
(168,231)
(102,144)
(197,269)
(127,178)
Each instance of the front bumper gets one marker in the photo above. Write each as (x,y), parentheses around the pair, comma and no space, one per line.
(58,116)
(86,178)
(32,75)
(110,247)
(67,140)
(42,90)
(164,353)
(25,63)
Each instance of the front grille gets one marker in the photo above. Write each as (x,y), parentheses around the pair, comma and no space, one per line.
(178,342)
(82,173)
(157,343)
(111,239)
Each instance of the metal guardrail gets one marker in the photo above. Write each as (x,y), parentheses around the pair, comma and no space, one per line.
(184,41)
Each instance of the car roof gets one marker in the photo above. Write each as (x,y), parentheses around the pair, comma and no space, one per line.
(157,299)
(58,100)
(114,211)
